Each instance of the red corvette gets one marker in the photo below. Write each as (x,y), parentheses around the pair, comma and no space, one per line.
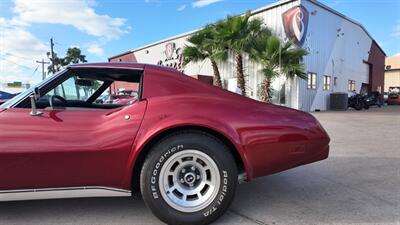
(184,144)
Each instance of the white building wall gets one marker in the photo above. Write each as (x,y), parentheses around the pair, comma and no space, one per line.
(273,20)
(337,48)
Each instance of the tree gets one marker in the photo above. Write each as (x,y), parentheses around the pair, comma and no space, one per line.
(238,33)
(277,58)
(58,63)
(73,56)
(204,46)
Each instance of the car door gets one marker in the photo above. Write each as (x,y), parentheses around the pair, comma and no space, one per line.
(67,147)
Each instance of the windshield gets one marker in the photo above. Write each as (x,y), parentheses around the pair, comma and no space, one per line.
(22,95)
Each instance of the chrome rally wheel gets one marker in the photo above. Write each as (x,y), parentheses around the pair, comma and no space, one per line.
(189,177)
(189,181)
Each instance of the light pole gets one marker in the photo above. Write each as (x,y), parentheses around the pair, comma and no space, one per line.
(43,73)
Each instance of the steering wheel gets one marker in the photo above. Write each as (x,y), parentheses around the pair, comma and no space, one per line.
(60,99)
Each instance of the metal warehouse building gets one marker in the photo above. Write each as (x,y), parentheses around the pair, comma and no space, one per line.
(343,56)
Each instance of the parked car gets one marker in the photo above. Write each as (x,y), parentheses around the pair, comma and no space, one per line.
(184,144)
(4,96)
(126,97)
(393,98)
(102,99)
(122,99)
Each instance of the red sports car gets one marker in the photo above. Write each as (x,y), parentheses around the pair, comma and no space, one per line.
(393,98)
(184,144)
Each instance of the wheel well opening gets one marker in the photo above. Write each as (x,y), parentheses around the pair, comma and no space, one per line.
(142,157)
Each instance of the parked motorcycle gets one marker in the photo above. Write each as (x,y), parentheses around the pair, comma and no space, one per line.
(356,101)
(372,99)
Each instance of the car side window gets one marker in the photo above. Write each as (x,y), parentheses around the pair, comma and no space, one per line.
(87,89)
(75,88)
(71,90)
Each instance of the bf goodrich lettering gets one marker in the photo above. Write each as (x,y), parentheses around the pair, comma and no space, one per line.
(153,179)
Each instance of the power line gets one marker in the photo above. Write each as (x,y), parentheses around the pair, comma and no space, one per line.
(35,70)
(27,67)
(22,57)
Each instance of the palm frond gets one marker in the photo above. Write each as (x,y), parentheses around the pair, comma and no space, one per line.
(192,54)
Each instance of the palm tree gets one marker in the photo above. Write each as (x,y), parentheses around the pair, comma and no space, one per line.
(205,46)
(238,33)
(58,63)
(277,58)
(73,56)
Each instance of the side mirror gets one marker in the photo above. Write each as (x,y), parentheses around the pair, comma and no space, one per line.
(36,94)
(35,97)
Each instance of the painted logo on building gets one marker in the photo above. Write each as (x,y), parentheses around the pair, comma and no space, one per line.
(295,22)
(173,57)
(169,50)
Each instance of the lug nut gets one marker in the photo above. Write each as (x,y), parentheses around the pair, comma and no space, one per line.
(183,171)
(182,181)
(192,168)
(198,177)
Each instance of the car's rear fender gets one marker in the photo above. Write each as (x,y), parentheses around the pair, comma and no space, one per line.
(154,128)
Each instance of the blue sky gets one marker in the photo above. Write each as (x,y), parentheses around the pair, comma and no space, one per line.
(102,28)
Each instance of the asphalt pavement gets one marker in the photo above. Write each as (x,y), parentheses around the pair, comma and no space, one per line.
(358,184)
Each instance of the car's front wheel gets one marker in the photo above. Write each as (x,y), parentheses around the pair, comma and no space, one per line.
(189,178)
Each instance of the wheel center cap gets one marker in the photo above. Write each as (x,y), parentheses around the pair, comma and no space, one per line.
(189,178)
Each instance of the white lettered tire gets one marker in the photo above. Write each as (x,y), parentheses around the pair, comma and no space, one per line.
(189,177)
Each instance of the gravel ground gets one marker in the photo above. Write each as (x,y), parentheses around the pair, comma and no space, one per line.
(358,184)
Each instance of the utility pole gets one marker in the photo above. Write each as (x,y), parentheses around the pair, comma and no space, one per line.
(52,55)
(43,73)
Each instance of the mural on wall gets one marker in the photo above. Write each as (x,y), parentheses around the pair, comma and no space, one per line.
(172,57)
(295,22)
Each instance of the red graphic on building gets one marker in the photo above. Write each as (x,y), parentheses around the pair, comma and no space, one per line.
(169,50)
(173,57)
(295,22)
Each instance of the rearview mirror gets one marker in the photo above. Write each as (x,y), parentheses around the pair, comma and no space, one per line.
(84,82)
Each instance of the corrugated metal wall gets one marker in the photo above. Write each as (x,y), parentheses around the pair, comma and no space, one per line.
(392,79)
(337,48)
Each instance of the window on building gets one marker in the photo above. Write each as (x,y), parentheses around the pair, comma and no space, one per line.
(327,83)
(335,81)
(312,81)
(352,85)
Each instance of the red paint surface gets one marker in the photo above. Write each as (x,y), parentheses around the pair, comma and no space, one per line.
(376,60)
(394,101)
(79,148)
(66,148)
